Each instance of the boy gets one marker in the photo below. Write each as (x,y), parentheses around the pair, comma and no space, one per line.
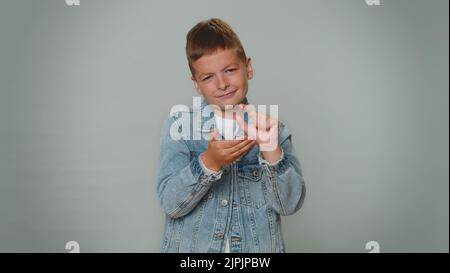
(225,195)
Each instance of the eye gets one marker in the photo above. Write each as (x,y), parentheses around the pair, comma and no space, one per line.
(206,78)
(230,70)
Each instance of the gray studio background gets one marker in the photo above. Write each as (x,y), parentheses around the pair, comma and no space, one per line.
(84,91)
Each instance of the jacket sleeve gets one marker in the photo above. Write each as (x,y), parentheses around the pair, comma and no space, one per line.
(284,179)
(181,181)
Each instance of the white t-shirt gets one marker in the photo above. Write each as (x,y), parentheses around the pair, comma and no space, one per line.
(227,245)
(228,128)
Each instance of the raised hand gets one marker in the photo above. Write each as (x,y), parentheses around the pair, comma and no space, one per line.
(262,128)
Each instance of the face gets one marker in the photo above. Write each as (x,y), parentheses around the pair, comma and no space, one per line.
(222,77)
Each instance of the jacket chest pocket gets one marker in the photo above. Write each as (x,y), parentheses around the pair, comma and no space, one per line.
(252,186)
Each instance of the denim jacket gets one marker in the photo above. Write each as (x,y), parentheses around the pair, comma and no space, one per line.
(243,202)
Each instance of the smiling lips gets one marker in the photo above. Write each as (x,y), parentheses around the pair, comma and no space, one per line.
(228,95)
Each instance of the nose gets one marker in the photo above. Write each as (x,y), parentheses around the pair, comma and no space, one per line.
(222,83)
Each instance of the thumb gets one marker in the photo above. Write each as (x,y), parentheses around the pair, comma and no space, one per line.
(249,129)
(213,135)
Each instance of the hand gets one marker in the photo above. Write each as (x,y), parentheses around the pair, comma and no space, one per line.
(263,128)
(222,152)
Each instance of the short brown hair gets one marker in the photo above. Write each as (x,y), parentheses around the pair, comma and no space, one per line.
(206,37)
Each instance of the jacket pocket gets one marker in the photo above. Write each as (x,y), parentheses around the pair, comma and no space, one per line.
(252,186)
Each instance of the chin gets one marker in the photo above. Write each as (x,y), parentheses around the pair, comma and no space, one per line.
(231,102)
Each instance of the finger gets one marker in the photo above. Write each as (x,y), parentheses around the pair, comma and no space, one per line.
(243,150)
(249,109)
(262,122)
(239,146)
(225,144)
(249,129)
(213,135)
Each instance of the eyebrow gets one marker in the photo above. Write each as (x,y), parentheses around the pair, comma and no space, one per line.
(223,69)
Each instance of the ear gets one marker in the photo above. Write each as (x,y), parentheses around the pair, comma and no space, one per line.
(197,88)
(249,68)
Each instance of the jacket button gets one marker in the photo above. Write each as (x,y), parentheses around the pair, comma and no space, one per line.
(255,172)
(220,236)
(224,203)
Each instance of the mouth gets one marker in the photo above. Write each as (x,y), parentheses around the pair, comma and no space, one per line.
(227,95)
